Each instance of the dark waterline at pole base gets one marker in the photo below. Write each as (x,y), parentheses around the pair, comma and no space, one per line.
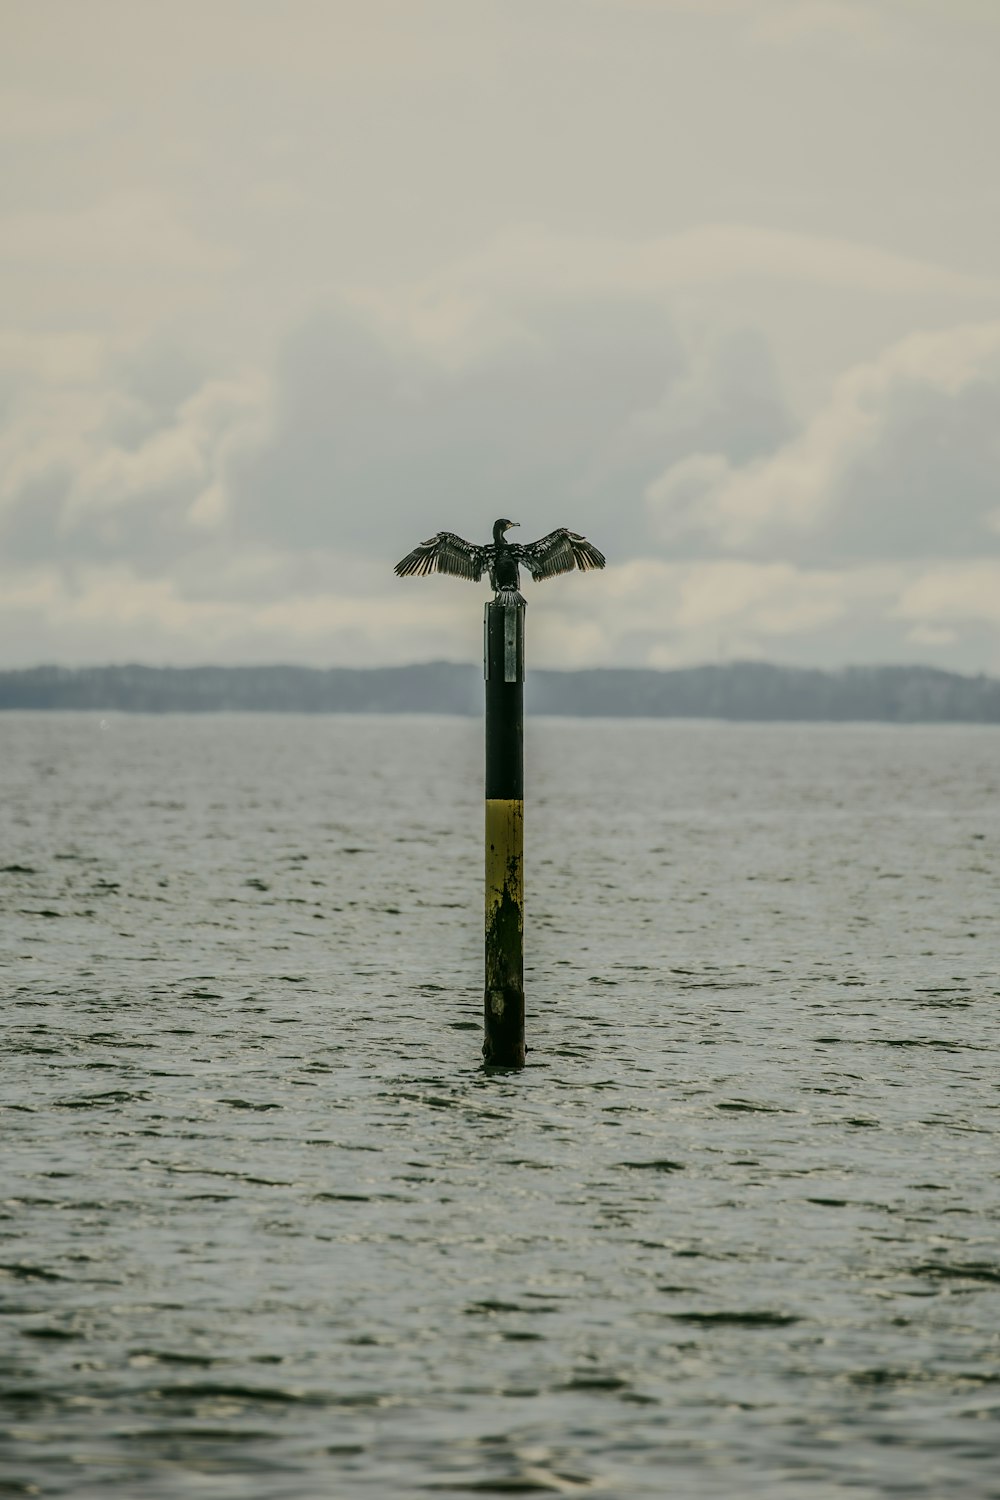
(503,667)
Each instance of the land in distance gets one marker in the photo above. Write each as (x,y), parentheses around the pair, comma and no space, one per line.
(736,690)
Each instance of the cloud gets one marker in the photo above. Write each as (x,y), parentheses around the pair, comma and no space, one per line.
(111,456)
(266,607)
(672,613)
(943,598)
(533,260)
(34,116)
(70,358)
(235,612)
(136,233)
(819,20)
(900,463)
(257,515)
(380,433)
(663,613)
(772,20)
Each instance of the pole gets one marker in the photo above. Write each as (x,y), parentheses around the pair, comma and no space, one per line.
(503,668)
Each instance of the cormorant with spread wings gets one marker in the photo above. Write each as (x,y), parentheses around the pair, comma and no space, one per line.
(559,552)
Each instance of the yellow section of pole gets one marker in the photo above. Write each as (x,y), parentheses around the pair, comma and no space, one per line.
(504,997)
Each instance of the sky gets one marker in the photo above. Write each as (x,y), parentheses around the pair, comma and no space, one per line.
(287,286)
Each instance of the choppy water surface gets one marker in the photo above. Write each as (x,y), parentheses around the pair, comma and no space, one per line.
(269,1230)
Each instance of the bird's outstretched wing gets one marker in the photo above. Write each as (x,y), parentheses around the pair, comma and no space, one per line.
(559,552)
(444,553)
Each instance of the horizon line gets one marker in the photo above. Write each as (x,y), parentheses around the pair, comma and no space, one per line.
(698,666)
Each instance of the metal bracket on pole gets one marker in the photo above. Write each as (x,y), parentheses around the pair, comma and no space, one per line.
(511,620)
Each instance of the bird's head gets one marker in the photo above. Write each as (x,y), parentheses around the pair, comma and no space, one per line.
(499,527)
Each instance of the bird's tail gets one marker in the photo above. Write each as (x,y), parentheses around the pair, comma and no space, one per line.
(510,597)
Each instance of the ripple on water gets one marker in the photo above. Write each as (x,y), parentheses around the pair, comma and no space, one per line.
(731,1232)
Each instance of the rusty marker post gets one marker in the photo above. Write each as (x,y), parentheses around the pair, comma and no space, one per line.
(503,668)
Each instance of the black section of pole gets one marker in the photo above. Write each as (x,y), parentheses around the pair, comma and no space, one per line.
(503,666)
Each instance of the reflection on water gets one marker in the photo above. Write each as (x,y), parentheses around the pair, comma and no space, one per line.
(268,1229)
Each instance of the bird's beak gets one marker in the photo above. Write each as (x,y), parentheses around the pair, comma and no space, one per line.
(511,524)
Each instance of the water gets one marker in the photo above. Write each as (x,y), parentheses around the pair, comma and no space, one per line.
(269,1231)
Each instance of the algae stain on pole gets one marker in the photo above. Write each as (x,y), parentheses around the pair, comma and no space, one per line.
(503,664)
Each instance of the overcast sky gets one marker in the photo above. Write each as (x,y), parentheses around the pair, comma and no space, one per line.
(287,287)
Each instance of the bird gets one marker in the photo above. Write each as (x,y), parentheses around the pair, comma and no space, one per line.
(559,552)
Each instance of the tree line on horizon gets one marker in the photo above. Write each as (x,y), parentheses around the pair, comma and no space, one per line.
(748,691)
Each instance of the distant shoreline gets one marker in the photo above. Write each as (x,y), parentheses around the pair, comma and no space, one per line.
(752,692)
